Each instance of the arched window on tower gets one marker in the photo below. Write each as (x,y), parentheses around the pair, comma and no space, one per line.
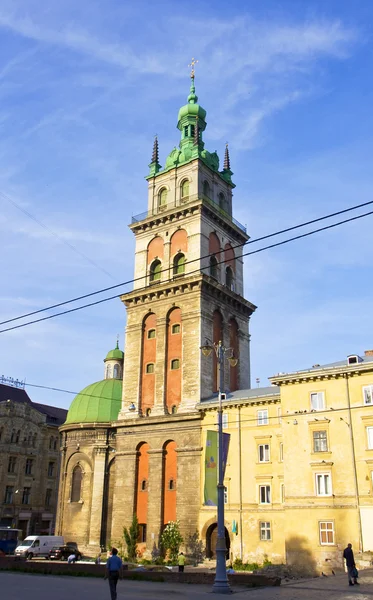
(229,278)
(213,267)
(76,484)
(109,371)
(184,190)
(162,198)
(116,371)
(206,189)
(155,271)
(179,264)
(221,200)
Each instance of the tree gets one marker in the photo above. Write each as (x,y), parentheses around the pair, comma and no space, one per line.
(171,540)
(131,536)
(195,548)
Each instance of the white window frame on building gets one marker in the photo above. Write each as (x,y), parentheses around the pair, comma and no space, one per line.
(323,484)
(265,494)
(317,400)
(262,417)
(368,395)
(318,440)
(281,452)
(265,532)
(327,528)
(369,438)
(282,492)
(264,454)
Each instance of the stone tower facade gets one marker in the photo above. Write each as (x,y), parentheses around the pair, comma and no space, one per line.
(188,280)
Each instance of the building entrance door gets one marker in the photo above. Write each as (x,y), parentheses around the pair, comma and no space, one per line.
(211,537)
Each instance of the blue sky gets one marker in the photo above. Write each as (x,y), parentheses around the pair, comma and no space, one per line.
(84,86)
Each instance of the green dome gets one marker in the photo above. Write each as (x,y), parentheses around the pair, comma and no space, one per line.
(115,354)
(192,109)
(99,402)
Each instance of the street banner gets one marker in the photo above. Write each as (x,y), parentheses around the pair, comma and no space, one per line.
(211,465)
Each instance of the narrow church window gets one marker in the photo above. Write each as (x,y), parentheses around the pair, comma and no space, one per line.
(148,412)
(150,368)
(213,267)
(142,533)
(76,484)
(229,278)
(186,131)
(175,364)
(116,371)
(174,410)
(206,189)
(192,130)
(163,197)
(108,371)
(179,264)
(185,189)
(144,485)
(151,334)
(222,201)
(155,271)
(171,484)
(176,328)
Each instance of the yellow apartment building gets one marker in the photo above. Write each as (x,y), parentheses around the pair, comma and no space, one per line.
(299,475)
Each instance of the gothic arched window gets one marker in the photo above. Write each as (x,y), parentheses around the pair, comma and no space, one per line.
(222,200)
(109,371)
(155,271)
(185,189)
(179,264)
(206,189)
(213,267)
(76,484)
(229,278)
(162,198)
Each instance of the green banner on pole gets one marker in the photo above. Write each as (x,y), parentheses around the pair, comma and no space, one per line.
(211,469)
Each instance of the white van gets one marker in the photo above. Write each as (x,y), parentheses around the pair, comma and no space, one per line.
(38,545)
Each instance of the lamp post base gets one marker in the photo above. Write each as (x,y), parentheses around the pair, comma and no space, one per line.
(221,587)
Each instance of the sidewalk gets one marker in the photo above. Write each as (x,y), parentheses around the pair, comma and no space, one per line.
(20,586)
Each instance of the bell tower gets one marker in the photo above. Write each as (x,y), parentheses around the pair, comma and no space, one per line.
(188,279)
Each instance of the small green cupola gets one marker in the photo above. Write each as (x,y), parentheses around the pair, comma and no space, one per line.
(192,120)
(114,363)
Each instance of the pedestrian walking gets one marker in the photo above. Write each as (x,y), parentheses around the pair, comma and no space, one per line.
(113,572)
(352,571)
(181,562)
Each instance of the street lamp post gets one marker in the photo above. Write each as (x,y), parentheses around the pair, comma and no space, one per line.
(221,584)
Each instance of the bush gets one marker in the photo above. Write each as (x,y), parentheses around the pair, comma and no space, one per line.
(131,536)
(171,540)
(238,565)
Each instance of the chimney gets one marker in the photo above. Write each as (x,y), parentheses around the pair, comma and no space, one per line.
(368,353)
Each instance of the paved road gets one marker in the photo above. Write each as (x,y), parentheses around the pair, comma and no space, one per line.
(21,586)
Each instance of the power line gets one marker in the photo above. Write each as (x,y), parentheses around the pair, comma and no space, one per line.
(59,238)
(293,415)
(283,242)
(187,262)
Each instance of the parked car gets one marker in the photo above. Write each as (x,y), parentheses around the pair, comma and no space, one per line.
(63,552)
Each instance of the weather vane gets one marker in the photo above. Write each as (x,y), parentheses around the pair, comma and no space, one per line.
(192,65)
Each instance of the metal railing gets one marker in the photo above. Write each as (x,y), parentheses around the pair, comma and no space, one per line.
(184,202)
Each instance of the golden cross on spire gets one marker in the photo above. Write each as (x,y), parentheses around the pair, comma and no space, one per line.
(192,65)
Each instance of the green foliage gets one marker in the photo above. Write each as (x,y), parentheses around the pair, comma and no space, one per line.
(266,562)
(171,540)
(131,536)
(238,565)
(195,548)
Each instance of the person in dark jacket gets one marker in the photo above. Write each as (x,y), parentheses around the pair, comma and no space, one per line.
(348,555)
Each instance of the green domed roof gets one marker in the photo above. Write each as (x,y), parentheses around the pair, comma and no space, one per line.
(192,108)
(115,354)
(99,402)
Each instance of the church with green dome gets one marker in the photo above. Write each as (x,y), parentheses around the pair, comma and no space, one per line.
(133,442)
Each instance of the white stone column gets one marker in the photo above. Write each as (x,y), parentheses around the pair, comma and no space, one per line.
(97,496)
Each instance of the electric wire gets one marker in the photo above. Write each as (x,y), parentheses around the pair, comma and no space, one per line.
(142,277)
(210,405)
(97,302)
(53,233)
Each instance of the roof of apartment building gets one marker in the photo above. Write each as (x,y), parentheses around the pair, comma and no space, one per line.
(253,395)
(54,416)
(351,362)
